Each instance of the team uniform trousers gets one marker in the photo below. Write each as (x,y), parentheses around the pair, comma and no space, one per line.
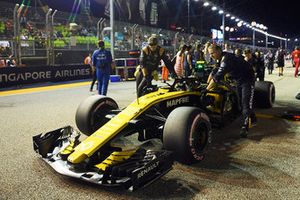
(246,94)
(103,80)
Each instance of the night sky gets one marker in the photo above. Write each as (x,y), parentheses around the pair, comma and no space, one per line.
(281,17)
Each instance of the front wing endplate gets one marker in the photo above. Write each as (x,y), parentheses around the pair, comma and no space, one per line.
(136,171)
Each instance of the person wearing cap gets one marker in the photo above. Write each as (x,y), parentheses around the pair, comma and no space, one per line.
(243,74)
(149,62)
(102,61)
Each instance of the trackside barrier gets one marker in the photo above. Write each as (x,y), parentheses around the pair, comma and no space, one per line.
(13,76)
(125,67)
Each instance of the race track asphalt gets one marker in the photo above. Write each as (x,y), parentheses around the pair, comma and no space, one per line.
(264,166)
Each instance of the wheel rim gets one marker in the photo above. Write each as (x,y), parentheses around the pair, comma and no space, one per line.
(98,115)
(199,133)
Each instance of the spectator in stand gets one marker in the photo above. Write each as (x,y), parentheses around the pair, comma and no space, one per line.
(179,64)
(102,61)
(2,60)
(10,62)
(296,60)
(2,63)
(279,57)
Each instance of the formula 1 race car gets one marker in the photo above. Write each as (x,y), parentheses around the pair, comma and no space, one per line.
(181,115)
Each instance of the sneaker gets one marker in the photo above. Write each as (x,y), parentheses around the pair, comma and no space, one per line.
(243,132)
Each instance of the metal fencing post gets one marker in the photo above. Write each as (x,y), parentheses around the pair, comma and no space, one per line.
(253,40)
(100,27)
(133,28)
(18,35)
(48,36)
(223,24)
(190,38)
(175,43)
(285,43)
(52,57)
(112,32)
(15,33)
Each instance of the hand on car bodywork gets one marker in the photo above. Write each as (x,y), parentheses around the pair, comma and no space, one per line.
(211,84)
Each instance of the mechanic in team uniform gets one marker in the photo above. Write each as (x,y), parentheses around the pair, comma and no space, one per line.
(149,62)
(102,61)
(243,74)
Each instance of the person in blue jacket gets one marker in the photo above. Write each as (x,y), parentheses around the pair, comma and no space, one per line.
(102,61)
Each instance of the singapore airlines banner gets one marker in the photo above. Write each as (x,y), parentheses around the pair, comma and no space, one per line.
(11,76)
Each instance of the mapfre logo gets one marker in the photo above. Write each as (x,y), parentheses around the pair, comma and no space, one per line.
(175,102)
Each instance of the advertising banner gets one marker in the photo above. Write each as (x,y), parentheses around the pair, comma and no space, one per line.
(12,76)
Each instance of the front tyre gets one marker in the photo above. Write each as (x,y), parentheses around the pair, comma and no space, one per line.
(187,133)
(91,112)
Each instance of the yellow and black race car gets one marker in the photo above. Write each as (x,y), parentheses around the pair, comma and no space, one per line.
(181,115)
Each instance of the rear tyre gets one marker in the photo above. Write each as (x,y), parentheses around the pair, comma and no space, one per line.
(91,112)
(187,133)
(264,94)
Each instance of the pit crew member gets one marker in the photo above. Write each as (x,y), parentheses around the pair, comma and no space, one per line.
(243,74)
(149,62)
(102,61)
